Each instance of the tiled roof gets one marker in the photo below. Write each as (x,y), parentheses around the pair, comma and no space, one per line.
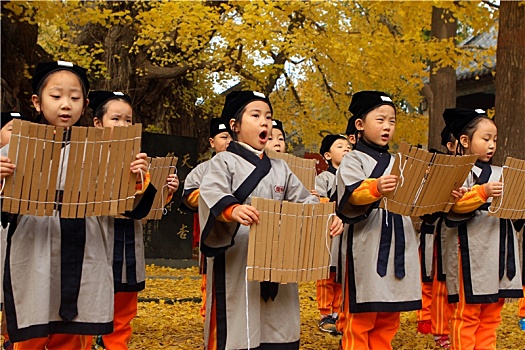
(483,41)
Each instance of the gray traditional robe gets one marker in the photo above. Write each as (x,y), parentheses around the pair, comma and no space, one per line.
(325,186)
(58,276)
(380,249)
(489,250)
(234,177)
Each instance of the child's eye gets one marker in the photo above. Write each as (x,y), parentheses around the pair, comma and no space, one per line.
(115,119)
(269,117)
(75,98)
(55,96)
(128,121)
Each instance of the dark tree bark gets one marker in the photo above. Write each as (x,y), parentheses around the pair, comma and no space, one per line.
(442,91)
(510,82)
(19,50)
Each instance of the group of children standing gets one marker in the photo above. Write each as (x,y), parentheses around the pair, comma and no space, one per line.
(376,262)
(66,280)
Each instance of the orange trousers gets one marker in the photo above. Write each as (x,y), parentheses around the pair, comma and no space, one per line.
(329,295)
(473,326)
(369,330)
(424,314)
(440,310)
(125,311)
(203,292)
(521,306)
(56,342)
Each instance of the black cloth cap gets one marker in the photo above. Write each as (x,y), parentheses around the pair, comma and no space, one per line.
(328,141)
(237,100)
(99,98)
(365,101)
(277,124)
(44,69)
(459,118)
(350,127)
(8,116)
(216,127)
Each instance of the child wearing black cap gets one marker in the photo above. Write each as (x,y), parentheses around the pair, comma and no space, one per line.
(485,271)
(277,139)
(58,283)
(333,149)
(242,314)
(381,274)
(219,140)
(112,109)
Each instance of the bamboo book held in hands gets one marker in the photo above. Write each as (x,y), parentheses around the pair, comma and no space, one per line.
(291,243)
(76,171)
(425,181)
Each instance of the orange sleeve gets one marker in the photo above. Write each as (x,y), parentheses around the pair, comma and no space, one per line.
(324,200)
(192,200)
(366,193)
(471,200)
(226,215)
(168,198)
(139,189)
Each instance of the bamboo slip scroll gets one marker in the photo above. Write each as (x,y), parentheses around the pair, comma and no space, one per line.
(291,243)
(77,171)
(303,168)
(511,204)
(425,181)
(159,169)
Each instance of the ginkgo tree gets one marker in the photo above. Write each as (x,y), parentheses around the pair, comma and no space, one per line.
(177,58)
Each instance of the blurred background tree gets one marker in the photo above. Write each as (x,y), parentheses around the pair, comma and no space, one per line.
(177,59)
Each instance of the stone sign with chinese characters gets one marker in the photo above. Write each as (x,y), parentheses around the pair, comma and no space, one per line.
(172,236)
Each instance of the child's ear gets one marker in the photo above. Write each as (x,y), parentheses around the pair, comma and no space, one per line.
(327,156)
(359,124)
(36,103)
(97,122)
(463,140)
(233,126)
(451,146)
(212,143)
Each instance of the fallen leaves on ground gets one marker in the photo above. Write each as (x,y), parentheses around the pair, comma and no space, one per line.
(174,321)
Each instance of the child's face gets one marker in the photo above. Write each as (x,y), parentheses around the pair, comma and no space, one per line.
(255,126)
(118,113)
(220,141)
(337,151)
(483,141)
(62,100)
(5,133)
(276,141)
(379,125)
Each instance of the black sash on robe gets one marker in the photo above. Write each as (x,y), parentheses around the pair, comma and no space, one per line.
(262,168)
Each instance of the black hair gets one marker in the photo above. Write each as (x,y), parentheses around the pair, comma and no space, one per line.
(99,113)
(469,131)
(238,120)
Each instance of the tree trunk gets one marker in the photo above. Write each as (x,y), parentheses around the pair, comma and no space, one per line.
(442,92)
(510,82)
(19,50)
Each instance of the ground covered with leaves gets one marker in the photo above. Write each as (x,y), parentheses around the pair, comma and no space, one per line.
(168,317)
